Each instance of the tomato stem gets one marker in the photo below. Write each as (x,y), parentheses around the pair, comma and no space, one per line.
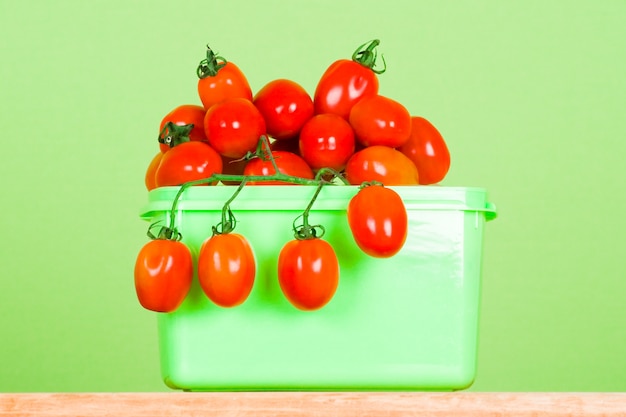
(367,57)
(173,134)
(209,66)
(243,179)
(306,230)
(227,225)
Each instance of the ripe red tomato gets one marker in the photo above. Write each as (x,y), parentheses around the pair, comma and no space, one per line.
(285,106)
(226,269)
(150,179)
(379,120)
(163,274)
(288,163)
(378,221)
(233,127)
(187,161)
(186,114)
(327,141)
(383,164)
(428,151)
(220,80)
(347,81)
(308,273)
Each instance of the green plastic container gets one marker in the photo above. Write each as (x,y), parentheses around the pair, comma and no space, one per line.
(409,322)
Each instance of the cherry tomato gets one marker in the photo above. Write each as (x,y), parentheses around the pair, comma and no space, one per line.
(163,274)
(288,163)
(428,151)
(187,161)
(327,141)
(285,106)
(379,120)
(226,269)
(346,81)
(378,221)
(308,273)
(220,80)
(150,179)
(233,127)
(383,164)
(186,114)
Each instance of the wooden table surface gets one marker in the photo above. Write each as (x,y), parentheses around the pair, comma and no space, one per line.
(309,404)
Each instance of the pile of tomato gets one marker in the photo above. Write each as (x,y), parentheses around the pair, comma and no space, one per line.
(346,127)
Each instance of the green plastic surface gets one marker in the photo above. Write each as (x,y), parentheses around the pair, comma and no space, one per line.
(409,322)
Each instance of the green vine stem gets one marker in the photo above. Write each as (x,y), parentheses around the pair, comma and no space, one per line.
(277,176)
(209,66)
(306,230)
(227,225)
(366,55)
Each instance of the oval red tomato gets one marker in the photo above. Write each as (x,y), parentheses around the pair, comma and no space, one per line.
(378,221)
(379,120)
(288,163)
(186,114)
(346,81)
(150,179)
(327,141)
(220,80)
(308,273)
(163,274)
(188,161)
(285,106)
(383,164)
(226,269)
(428,151)
(234,127)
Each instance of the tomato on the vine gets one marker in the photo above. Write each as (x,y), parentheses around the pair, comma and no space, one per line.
(220,80)
(226,269)
(187,161)
(380,120)
(163,274)
(288,163)
(383,164)
(308,273)
(378,220)
(285,106)
(150,179)
(428,151)
(233,127)
(186,114)
(346,81)
(327,141)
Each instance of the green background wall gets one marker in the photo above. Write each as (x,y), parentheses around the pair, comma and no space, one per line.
(530,96)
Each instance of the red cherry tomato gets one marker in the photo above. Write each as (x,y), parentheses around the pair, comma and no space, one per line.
(220,80)
(233,127)
(288,163)
(226,269)
(163,274)
(346,81)
(308,273)
(428,151)
(378,221)
(285,106)
(327,141)
(379,120)
(186,114)
(187,161)
(383,164)
(150,179)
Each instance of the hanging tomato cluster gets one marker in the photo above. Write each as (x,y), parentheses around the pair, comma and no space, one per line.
(346,125)
(346,131)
